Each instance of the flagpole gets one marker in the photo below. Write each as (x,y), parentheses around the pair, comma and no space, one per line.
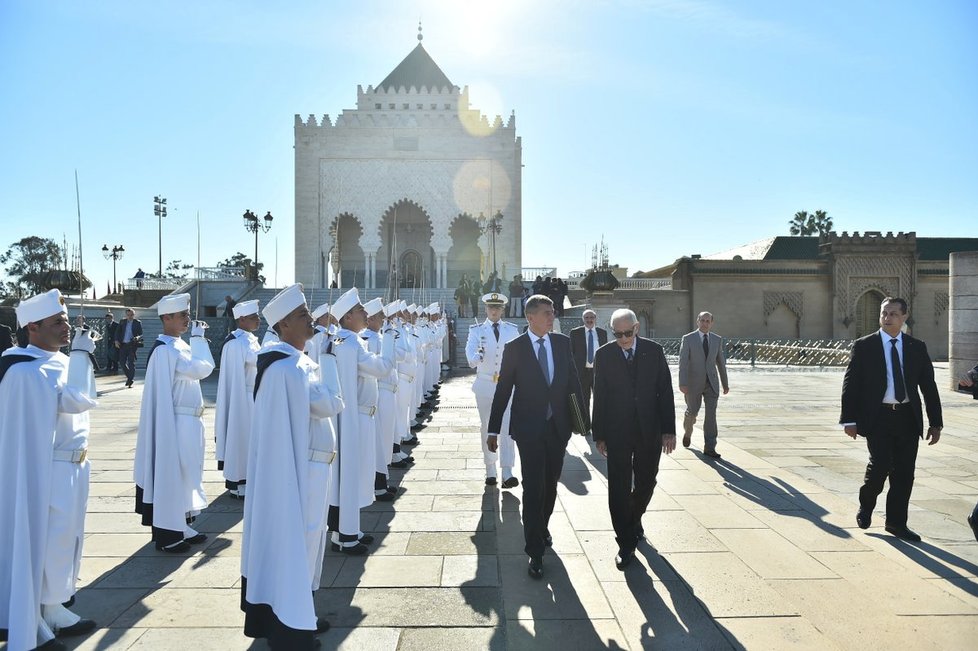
(81,265)
(197,311)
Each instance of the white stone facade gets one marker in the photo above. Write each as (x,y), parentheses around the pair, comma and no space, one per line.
(407,171)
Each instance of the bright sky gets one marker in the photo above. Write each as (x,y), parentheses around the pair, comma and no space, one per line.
(670,127)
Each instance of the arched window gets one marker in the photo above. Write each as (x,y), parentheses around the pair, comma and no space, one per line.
(868,313)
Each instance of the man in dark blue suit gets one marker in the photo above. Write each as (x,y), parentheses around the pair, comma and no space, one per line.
(634,422)
(128,337)
(538,371)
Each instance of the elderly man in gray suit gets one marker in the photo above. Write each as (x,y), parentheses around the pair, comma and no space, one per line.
(702,372)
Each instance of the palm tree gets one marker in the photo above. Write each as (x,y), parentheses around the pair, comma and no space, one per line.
(801,223)
(822,223)
(806,224)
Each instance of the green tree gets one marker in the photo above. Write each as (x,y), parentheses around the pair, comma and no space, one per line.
(805,223)
(28,261)
(177,270)
(241,260)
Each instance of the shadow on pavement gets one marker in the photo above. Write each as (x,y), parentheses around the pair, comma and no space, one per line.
(775,495)
(690,626)
(937,560)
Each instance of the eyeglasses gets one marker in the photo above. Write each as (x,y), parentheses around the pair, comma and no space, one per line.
(626,334)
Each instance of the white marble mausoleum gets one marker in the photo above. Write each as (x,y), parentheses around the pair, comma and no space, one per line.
(395,187)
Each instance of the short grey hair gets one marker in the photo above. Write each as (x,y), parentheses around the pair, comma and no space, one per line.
(535,301)
(621,314)
(588,311)
(703,314)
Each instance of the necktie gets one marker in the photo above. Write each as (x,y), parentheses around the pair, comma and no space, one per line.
(899,389)
(495,330)
(629,357)
(706,345)
(590,346)
(545,367)
(542,358)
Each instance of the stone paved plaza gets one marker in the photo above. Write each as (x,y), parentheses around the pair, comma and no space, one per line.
(758,550)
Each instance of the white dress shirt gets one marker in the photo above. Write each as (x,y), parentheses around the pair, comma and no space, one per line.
(890,396)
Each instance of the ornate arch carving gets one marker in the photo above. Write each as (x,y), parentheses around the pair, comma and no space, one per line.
(794,301)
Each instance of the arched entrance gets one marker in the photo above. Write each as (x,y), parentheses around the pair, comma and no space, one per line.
(411,270)
(346,258)
(465,256)
(405,228)
(868,312)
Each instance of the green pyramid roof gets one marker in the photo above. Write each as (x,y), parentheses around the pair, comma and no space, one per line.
(417,69)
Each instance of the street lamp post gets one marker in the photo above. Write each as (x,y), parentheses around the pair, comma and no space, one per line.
(493,226)
(115,254)
(159,209)
(252,224)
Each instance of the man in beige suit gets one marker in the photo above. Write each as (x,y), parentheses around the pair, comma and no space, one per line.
(702,371)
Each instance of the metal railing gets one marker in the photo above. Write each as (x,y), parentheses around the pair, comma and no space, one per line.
(776,352)
(235,274)
(155,284)
(645,283)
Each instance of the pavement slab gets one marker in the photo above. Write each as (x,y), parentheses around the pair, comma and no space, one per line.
(757,550)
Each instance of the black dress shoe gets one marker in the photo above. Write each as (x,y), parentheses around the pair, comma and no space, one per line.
(81,627)
(713,454)
(624,558)
(321,625)
(399,464)
(903,533)
(973,521)
(178,548)
(385,497)
(53,645)
(393,490)
(413,440)
(196,540)
(864,518)
(366,539)
(490,481)
(512,482)
(535,568)
(354,550)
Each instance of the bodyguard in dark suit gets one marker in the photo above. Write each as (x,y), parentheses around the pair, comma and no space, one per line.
(585,341)
(881,401)
(634,422)
(538,371)
(111,352)
(128,336)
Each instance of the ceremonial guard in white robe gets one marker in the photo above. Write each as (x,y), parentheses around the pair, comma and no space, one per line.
(417,326)
(235,397)
(484,352)
(352,482)
(290,456)
(44,475)
(389,406)
(169,465)
(406,367)
(324,328)
(383,420)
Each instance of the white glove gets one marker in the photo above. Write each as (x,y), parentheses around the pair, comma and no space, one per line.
(83,340)
(197,330)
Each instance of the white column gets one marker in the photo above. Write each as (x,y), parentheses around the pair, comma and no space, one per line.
(373,270)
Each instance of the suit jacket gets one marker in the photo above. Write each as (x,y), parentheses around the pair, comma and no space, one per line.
(137,330)
(697,369)
(617,396)
(864,383)
(520,376)
(579,344)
